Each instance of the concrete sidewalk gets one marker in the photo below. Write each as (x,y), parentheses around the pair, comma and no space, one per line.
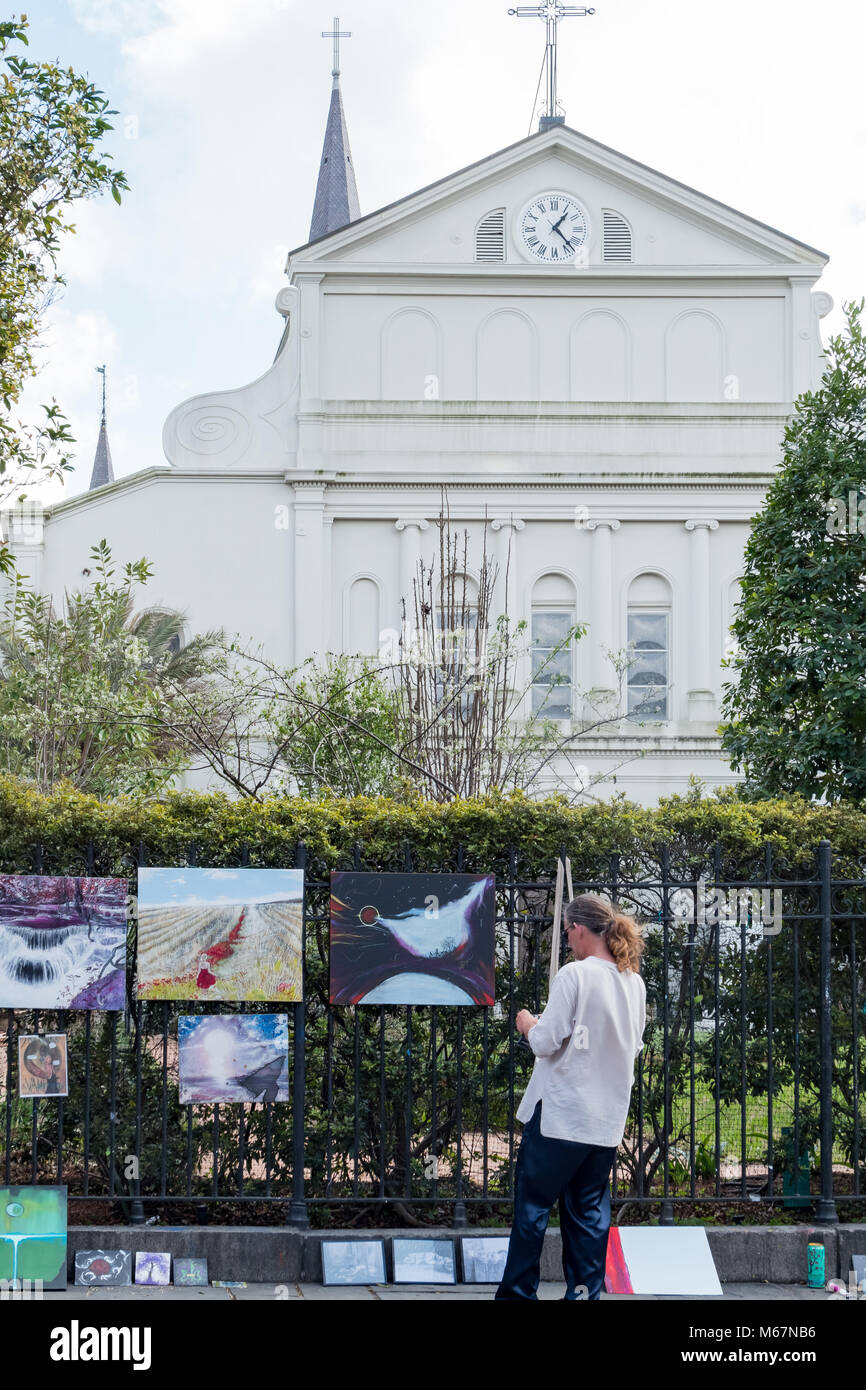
(390,1293)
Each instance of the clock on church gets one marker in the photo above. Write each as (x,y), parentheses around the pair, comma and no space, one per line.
(552,228)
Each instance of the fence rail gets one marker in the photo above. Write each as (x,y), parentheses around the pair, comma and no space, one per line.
(753,1066)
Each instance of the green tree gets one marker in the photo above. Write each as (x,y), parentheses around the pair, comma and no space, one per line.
(81,692)
(795,716)
(52,121)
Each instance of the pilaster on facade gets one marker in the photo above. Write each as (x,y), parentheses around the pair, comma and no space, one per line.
(602,632)
(506,594)
(311,598)
(702,706)
(410,529)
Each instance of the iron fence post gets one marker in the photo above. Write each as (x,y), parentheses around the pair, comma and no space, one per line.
(826,1208)
(136,1206)
(667,1212)
(298,1213)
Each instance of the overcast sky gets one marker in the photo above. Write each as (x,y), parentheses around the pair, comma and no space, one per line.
(222,107)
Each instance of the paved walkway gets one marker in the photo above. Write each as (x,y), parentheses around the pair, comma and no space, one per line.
(390,1293)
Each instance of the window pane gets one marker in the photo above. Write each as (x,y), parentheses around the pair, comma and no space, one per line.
(552,702)
(556,667)
(549,629)
(454,615)
(644,705)
(643,665)
(648,629)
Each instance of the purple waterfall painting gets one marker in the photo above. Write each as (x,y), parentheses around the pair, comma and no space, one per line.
(62,942)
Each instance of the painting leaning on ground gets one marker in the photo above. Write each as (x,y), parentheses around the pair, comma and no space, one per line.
(33,1236)
(220,934)
(62,942)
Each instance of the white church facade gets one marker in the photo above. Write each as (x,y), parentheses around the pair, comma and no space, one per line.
(594,359)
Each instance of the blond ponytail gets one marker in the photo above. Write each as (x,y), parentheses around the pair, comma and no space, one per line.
(624,941)
(621,932)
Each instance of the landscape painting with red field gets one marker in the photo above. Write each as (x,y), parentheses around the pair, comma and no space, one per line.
(222,935)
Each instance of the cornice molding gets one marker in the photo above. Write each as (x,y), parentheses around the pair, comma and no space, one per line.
(659,483)
(543,280)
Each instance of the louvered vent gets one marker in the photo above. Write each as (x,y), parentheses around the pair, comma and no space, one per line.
(617,237)
(490,237)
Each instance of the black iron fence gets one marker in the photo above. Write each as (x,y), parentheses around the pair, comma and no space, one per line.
(749,1087)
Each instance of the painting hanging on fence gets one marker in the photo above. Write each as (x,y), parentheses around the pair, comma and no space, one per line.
(484,1258)
(233,1057)
(660,1260)
(412,938)
(113,1267)
(42,1066)
(33,1236)
(353,1261)
(190,1273)
(220,934)
(62,942)
(152,1267)
(423,1261)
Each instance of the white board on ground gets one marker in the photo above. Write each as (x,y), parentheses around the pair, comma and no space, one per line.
(669,1260)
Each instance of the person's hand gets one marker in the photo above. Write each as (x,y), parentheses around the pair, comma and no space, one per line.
(524,1021)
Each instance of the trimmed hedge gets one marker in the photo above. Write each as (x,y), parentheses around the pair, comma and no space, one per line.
(484,829)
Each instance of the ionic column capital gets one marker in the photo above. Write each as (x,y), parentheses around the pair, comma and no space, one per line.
(597,521)
(695,522)
(418,521)
(500,523)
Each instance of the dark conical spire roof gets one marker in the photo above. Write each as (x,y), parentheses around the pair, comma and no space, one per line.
(103,472)
(336,192)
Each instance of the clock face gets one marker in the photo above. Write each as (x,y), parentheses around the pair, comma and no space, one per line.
(552,228)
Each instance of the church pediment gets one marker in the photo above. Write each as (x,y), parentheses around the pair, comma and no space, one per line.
(625,213)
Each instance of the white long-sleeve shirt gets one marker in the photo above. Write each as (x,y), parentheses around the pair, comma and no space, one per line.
(585,1045)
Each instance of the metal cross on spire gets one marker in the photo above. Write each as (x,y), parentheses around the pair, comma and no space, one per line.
(336,34)
(101,370)
(551,13)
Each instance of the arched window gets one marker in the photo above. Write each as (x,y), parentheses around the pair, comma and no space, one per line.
(732,598)
(649,648)
(457,610)
(490,236)
(553,619)
(616,237)
(457,637)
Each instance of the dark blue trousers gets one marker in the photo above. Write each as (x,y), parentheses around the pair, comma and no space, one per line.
(578,1177)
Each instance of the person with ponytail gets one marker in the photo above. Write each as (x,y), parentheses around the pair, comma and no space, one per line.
(575,1106)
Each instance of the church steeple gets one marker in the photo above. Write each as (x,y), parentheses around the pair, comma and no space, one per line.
(336,192)
(103,471)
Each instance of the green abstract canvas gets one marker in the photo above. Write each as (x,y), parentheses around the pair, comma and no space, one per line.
(33,1236)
